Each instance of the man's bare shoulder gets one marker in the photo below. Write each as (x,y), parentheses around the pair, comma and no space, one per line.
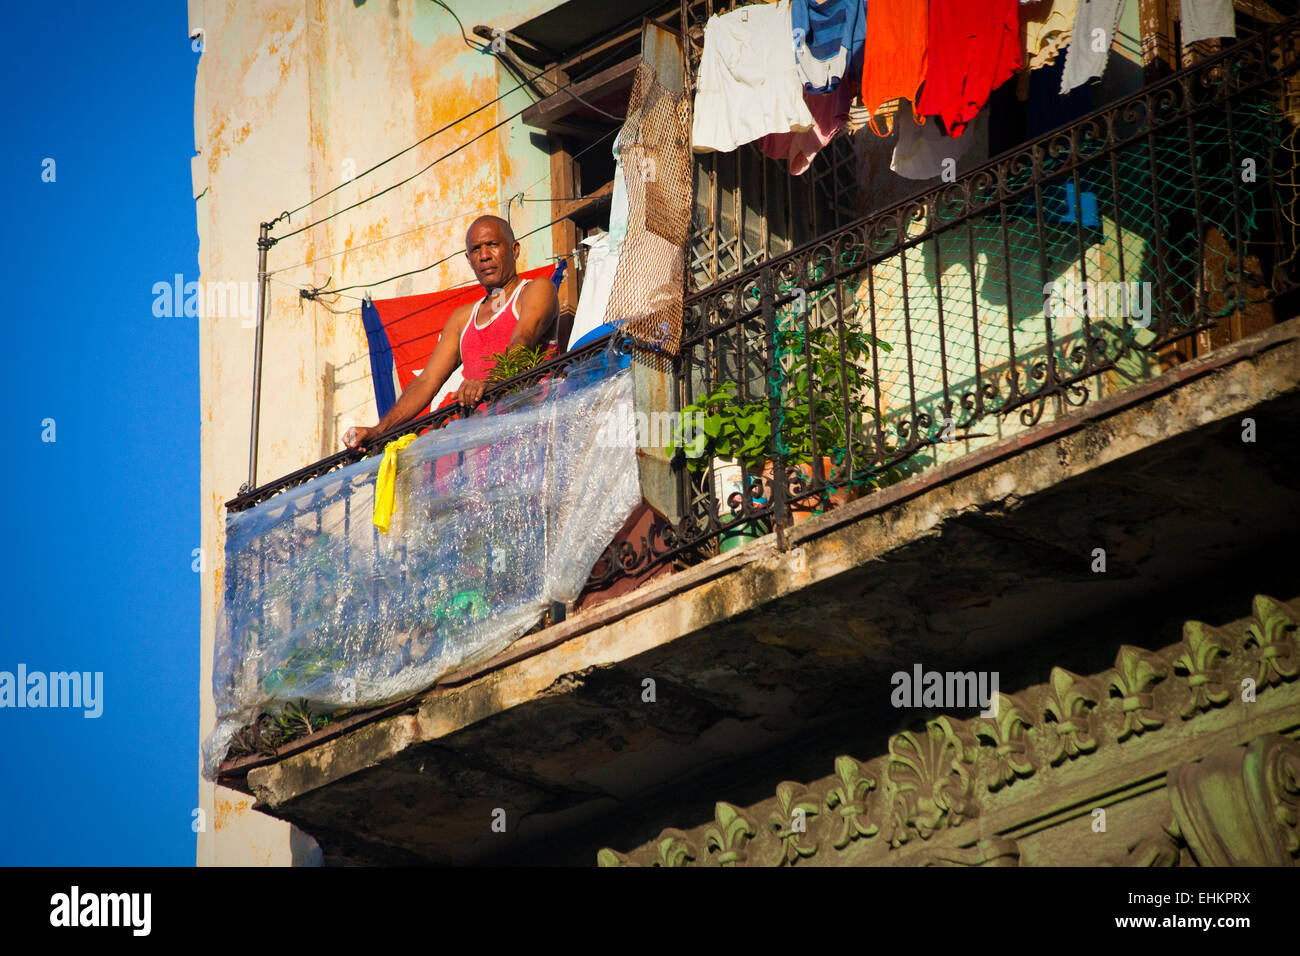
(540,293)
(459,316)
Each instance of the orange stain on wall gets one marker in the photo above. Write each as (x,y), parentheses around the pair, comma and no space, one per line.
(226,810)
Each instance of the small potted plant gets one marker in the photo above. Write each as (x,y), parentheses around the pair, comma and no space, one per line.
(514,361)
(730,432)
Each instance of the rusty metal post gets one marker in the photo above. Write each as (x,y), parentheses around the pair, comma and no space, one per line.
(264,242)
(781,518)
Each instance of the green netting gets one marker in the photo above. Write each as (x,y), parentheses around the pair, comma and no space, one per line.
(1130,248)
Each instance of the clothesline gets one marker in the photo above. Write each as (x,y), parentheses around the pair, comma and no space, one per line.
(788,76)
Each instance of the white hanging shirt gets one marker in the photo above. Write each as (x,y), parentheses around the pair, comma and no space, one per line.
(1204,19)
(602,263)
(1095,22)
(749,82)
(921,150)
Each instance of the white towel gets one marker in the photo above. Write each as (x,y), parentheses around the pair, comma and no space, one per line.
(1095,22)
(1203,19)
(602,263)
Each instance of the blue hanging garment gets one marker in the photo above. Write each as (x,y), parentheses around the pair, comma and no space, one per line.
(829,38)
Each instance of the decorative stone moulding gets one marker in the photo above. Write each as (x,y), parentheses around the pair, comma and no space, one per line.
(1213,720)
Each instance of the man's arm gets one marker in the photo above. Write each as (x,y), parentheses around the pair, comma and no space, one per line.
(418,394)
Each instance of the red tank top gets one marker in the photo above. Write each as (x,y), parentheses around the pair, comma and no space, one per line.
(478,343)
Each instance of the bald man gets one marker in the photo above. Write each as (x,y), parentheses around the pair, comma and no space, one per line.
(512,312)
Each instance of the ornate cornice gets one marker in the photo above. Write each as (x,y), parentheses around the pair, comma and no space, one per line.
(911,805)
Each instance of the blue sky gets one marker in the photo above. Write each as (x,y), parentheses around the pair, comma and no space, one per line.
(98,526)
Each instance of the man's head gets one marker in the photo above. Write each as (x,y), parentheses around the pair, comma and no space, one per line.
(492,250)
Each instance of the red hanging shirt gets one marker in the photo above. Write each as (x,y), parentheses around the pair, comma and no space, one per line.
(974,48)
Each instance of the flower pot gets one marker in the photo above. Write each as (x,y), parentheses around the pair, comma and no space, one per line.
(809,507)
(729,480)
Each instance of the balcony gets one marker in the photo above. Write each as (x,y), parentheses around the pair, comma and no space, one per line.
(919,430)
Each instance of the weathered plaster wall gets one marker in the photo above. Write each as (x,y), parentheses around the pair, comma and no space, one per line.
(293,97)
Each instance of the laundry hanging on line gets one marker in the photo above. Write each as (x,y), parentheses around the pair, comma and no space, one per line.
(941,58)
(924,151)
(973,49)
(1095,23)
(828,38)
(829,111)
(1046,29)
(597,282)
(1207,19)
(894,56)
(749,83)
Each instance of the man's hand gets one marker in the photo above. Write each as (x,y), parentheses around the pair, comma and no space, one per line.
(354,438)
(471,392)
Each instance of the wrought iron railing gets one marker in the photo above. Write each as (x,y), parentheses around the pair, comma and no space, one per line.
(909,337)
(440,418)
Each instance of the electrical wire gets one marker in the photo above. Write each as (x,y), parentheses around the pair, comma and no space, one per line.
(311,293)
(420,172)
(402,152)
(463,35)
(477,47)
(316,298)
(517,69)
(452,218)
(314,294)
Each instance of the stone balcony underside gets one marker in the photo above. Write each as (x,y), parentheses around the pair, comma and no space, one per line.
(766,661)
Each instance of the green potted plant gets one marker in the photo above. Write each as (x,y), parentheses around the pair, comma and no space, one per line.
(726,431)
(723,429)
(513,361)
(814,374)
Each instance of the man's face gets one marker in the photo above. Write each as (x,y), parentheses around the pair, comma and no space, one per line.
(490,254)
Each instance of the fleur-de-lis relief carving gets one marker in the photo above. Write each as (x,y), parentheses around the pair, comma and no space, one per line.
(1201,650)
(794,802)
(674,849)
(1005,735)
(961,735)
(931,783)
(728,834)
(608,857)
(1280,763)
(1068,703)
(1270,642)
(848,798)
(1136,672)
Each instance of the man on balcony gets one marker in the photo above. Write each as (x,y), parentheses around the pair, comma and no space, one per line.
(515,312)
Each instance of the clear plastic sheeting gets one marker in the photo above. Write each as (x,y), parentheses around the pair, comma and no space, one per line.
(498,515)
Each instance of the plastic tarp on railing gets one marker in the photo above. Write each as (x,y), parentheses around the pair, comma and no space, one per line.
(497,516)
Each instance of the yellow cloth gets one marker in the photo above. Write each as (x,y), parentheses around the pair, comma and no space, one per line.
(386,483)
